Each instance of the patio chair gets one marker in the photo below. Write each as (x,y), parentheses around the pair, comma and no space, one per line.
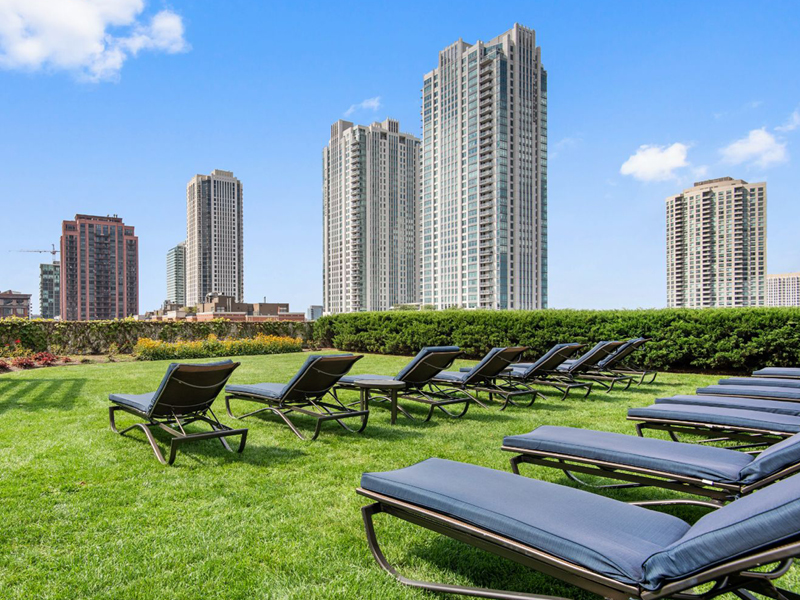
(486,377)
(585,367)
(780,372)
(310,392)
(753,428)
(540,372)
(780,407)
(417,376)
(184,397)
(719,474)
(614,364)
(752,391)
(604,546)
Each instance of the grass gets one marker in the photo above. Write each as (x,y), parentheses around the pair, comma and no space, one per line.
(89,514)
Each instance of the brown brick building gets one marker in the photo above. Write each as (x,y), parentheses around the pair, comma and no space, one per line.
(99,269)
(15,304)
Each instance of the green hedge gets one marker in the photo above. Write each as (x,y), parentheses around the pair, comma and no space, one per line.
(212,346)
(98,337)
(722,340)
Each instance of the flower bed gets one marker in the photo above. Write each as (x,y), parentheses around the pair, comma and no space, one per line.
(212,346)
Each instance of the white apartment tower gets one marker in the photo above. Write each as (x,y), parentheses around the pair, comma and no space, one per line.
(214,240)
(717,244)
(483,205)
(783,289)
(370,178)
(176,274)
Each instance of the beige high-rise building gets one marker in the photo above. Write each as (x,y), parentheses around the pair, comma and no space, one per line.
(369,197)
(783,289)
(483,205)
(214,237)
(717,244)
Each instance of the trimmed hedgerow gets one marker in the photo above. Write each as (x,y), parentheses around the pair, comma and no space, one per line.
(722,340)
(99,337)
(147,349)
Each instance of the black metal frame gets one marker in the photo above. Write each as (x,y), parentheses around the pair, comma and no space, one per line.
(734,576)
(591,373)
(752,436)
(541,376)
(174,425)
(718,492)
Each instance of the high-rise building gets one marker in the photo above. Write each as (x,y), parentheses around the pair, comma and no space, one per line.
(783,289)
(49,290)
(483,206)
(369,198)
(99,269)
(717,244)
(214,237)
(314,312)
(176,274)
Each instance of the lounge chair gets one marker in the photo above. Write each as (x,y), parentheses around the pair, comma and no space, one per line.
(720,474)
(780,407)
(754,428)
(752,391)
(761,382)
(417,376)
(541,372)
(614,363)
(184,397)
(780,372)
(305,394)
(486,376)
(601,545)
(585,367)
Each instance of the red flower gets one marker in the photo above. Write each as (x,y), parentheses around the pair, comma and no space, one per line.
(17,342)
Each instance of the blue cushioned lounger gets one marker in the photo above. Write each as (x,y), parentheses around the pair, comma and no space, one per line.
(720,474)
(718,423)
(761,382)
(780,407)
(543,371)
(486,376)
(417,376)
(586,367)
(184,396)
(785,372)
(614,363)
(310,392)
(605,546)
(752,391)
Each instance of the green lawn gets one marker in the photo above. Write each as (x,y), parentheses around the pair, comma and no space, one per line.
(89,514)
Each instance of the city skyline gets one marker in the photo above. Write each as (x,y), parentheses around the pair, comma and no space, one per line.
(615,152)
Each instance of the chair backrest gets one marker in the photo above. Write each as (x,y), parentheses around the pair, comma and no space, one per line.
(495,361)
(552,358)
(761,521)
(427,364)
(622,353)
(318,375)
(190,388)
(772,460)
(591,357)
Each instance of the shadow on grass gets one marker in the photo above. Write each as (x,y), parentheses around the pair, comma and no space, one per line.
(213,450)
(39,394)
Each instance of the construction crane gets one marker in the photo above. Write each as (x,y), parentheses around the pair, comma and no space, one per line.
(53,251)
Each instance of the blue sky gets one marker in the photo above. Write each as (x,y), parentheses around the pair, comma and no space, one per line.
(113,109)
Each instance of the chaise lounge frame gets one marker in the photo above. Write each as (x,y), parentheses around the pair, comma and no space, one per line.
(711,432)
(605,380)
(543,374)
(309,402)
(734,576)
(174,422)
(717,492)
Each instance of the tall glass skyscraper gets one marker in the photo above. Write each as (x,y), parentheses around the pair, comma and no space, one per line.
(483,203)
(369,199)
(176,274)
(214,237)
(50,290)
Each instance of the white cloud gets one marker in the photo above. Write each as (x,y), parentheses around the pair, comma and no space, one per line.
(76,35)
(656,163)
(564,144)
(372,104)
(759,147)
(700,171)
(792,123)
